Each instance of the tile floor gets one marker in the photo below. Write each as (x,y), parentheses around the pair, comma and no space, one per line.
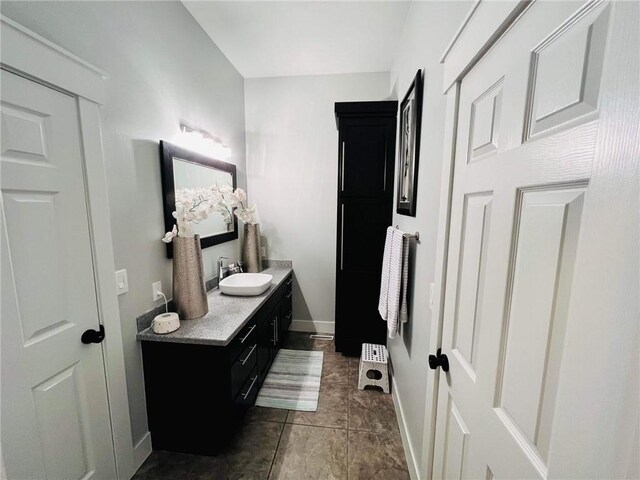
(354,435)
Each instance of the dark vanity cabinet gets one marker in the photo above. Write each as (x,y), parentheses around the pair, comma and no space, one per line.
(196,394)
(366,160)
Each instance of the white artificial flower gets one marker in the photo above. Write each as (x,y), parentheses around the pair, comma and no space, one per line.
(168,237)
(238,198)
(247,215)
(225,189)
(194,205)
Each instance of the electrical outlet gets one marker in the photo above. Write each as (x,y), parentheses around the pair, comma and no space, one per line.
(122,282)
(156,288)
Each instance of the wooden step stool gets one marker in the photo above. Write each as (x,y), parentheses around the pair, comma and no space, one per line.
(373,367)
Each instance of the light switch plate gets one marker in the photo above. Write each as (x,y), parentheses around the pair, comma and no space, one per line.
(122,282)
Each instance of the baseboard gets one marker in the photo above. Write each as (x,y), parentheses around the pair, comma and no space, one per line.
(142,450)
(312,326)
(408,448)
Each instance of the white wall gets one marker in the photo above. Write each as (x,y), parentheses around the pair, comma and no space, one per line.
(292,158)
(428,29)
(162,69)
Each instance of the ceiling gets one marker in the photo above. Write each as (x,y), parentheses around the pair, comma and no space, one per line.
(283,38)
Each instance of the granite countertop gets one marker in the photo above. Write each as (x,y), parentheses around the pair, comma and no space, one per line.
(227,315)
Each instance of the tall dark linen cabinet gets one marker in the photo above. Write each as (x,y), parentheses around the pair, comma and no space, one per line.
(366,160)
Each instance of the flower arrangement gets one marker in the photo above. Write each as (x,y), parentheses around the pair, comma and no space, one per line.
(196,204)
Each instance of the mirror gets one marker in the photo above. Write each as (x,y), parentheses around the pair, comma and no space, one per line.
(182,168)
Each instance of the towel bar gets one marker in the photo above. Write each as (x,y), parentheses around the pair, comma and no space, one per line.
(412,235)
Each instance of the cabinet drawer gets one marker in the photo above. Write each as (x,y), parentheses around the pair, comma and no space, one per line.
(242,367)
(246,336)
(286,309)
(287,317)
(288,286)
(249,390)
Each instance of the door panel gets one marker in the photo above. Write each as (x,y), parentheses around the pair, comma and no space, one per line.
(565,73)
(484,129)
(55,418)
(64,455)
(456,443)
(529,123)
(548,227)
(471,278)
(42,309)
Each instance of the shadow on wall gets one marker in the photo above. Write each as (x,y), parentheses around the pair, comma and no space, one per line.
(300,308)
(257,153)
(147,159)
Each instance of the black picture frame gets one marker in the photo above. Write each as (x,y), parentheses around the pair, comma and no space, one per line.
(167,153)
(409,147)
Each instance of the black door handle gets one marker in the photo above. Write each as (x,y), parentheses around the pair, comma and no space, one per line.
(93,336)
(439,360)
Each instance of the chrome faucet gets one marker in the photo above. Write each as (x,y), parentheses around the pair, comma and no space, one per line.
(224,272)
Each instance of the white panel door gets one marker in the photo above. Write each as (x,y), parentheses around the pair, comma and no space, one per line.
(541,304)
(55,417)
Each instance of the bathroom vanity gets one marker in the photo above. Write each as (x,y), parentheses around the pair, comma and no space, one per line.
(200,378)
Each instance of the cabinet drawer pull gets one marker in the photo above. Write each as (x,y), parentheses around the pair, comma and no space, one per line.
(248,333)
(289,294)
(275,330)
(290,281)
(342,237)
(342,167)
(245,395)
(290,315)
(248,354)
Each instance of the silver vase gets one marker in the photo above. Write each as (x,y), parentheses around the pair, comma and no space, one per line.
(252,250)
(189,291)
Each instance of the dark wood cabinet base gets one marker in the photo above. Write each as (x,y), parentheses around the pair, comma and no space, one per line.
(196,394)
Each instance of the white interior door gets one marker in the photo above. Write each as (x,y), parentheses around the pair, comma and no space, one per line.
(55,417)
(541,305)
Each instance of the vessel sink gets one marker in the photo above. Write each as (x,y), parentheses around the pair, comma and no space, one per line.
(245,284)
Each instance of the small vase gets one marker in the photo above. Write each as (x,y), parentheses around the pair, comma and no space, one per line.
(252,251)
(189,292)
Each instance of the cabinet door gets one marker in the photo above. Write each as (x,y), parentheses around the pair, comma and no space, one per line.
(265,344)
(366,156)
(286,310)
(361,246)
(274,323)
(365,203)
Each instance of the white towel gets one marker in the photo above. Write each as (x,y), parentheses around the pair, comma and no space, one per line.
(393,284)
(404,311)
(384,281)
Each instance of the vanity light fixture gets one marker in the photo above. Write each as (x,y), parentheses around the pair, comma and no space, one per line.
(202,142)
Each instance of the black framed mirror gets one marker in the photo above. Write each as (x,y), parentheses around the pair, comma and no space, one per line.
(183,168)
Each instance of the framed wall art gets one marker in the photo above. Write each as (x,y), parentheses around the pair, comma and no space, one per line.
(409,143)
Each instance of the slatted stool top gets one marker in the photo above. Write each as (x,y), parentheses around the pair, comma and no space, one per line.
(374,353)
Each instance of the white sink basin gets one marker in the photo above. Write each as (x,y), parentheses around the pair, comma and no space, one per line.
(245,284)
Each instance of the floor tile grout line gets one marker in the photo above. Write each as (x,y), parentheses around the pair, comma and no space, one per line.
(317,426)
(348,463)
(275,452)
